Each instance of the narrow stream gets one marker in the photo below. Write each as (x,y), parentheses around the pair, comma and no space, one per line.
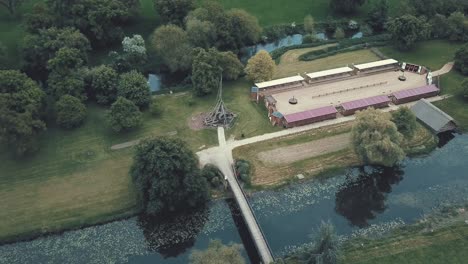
(362,200)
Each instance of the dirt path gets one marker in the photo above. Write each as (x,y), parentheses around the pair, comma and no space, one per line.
(445,69)
(304,151)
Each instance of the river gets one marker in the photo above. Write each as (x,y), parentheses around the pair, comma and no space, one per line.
(361,200)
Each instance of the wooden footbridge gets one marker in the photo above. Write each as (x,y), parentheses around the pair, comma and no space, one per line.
(222,158)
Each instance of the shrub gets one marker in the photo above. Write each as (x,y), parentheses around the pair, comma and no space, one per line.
(243,171)
(212,175)
(71,112)
(123,115)
(155,108)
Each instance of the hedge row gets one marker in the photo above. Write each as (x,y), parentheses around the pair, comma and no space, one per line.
(346,46)
(277,53)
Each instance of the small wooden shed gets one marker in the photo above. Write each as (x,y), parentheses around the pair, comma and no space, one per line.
(434,118)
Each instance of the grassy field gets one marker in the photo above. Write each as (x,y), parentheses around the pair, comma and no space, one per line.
(76,179)
(290,65)
(432,54)
(456,106)
(447,245)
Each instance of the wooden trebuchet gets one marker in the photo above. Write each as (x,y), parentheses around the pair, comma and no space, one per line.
(220,115)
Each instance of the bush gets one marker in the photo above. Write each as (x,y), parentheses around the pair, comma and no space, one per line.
(155,109)
(212,175)
(339,34)
(465,88)
(310,38)
(71,112)
(243,171)
(123,115)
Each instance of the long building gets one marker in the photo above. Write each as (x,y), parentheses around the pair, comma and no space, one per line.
(310,116)
(351,107)
(329,74)
(414,94)
(376,66)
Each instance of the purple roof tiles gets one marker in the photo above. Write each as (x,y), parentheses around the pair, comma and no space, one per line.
(309,114)
(416,91)
(366,102)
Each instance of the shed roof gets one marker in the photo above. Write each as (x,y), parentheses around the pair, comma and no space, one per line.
(415,91)
(277,114)
(365,102)
(254,89)
(153,82)
(286,80)
(329,72)
(322,111)
(270,99)
(432,116)
(375,64)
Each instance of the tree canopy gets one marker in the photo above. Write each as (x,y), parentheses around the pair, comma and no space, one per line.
(22,103)
(123,115)
(102,84)
(464,87)
(346,6)
(173,11)
(309,24)
(217,253)
(11,5)
(260,67)
(405,121)
(172,44)
(206,73)
(71,112)
(166,174)
(407,30)
(201,33)
(375,138)
(378,16)
(230,64)
(134,86)
(461,59)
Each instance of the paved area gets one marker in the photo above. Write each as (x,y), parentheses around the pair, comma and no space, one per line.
(445,69)
(335,93)
(290,154)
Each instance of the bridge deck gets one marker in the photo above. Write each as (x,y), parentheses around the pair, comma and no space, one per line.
(223,159)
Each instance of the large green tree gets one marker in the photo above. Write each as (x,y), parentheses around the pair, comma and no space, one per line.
(464,87)
(11,5)
(39,48)
(456,25)
(134,86)
(378,16)
(21,107)
(461,59)
(405,120)
(260,67)
(173,11)
(172,44)
(440,26)
(375,138)
(217,253)
(39,18)
(201,33)
(166,174)
(123,115)
(100,20)
(346,6)
(407,30)
(71,112)
(230,64)
(102,84)
(206,73)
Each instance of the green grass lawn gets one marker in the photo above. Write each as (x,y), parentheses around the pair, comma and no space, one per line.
(75,178)
(448,245)
(432,54)
(456,106)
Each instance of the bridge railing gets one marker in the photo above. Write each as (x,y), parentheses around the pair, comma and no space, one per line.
(251,209)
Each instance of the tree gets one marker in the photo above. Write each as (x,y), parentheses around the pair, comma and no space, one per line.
(22,104)
(217,253)
(309,24)
(173,11)
(407,30)
(201,33)
(440,26)
(71,112)
(155,108)
(456,24)
(212,175)
(3,52)
(461,59)
(134,51)
(244,28)
(375,138)
(11,5)
(327,244)
(102,83)
(232,67)
(464,87)
(100,20)
(346,6)
(206,72)
(260,67)
(378,16)
(339,33)
(134,87)
(166,174)
(38,49)
(39,18)
(65,61)
(405,121)
(171,43)
(123,115)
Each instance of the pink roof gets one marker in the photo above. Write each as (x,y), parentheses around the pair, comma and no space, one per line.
(309,114)
(365,102)
(416,91)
